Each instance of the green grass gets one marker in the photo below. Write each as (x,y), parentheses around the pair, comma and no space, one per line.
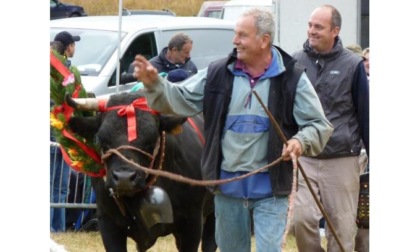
(91,242)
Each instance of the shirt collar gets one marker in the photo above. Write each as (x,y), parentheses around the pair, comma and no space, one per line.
(239,65)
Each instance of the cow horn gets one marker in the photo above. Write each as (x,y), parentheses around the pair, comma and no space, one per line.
(90,104)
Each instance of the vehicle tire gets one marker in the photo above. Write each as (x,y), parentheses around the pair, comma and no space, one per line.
(75,15)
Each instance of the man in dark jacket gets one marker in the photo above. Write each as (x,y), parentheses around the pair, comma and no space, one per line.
(175,56)
(338,75)
(240,137)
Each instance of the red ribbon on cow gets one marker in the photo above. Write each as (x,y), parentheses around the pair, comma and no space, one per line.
(102,104)
(131,121)
(130,113)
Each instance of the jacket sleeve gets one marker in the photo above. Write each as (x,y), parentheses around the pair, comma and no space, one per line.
(127,77)
(314,128)
(183,98)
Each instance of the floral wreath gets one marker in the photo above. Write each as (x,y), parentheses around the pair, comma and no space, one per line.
(79,153)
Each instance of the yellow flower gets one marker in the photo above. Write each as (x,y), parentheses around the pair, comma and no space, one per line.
(77,164)
(55,122)
(73,153)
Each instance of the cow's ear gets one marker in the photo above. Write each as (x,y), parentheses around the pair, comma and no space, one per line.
(85,126)
(172,124)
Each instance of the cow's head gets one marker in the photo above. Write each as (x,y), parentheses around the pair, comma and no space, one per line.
(113,129)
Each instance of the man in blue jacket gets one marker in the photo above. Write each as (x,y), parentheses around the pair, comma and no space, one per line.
(239,135)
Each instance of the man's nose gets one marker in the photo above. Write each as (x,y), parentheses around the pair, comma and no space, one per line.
(235,40)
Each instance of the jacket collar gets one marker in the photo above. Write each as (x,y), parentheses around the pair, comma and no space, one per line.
(162,56)
(336,50)
(286,59)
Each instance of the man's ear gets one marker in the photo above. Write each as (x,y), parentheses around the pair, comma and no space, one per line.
(266,38)
(336,31)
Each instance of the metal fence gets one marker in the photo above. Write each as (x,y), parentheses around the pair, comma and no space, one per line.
(71,190)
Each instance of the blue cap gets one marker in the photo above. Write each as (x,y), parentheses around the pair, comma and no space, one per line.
(177,75)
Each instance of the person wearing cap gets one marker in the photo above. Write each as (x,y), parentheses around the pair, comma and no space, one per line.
(357,49)
(64,44)
(69,43)
(175,56)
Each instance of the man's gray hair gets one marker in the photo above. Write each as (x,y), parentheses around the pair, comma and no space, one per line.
(264,21)
(178,41)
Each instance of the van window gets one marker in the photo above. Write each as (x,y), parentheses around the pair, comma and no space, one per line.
(214,13)
(145,44)
(209,44)
(211,9)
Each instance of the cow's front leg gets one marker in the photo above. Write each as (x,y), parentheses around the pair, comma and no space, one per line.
(113,238)
(188,232)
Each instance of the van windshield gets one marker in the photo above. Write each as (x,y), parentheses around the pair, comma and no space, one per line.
(93,50)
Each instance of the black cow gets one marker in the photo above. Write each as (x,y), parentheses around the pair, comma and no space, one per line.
(127,205)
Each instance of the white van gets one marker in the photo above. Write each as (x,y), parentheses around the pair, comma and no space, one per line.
(97,51)
(211,9)
(234,8)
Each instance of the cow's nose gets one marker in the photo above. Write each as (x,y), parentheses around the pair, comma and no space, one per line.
(124,178)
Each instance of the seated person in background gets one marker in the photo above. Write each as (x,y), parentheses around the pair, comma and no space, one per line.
(175,56)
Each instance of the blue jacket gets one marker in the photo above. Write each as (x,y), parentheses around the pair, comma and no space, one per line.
(239,135)
(217,97)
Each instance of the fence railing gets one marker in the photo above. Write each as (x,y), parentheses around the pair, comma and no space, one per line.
(70,189)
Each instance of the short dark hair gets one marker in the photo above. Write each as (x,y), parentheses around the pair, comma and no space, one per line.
(58,46)
(178,41)
(335,16)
